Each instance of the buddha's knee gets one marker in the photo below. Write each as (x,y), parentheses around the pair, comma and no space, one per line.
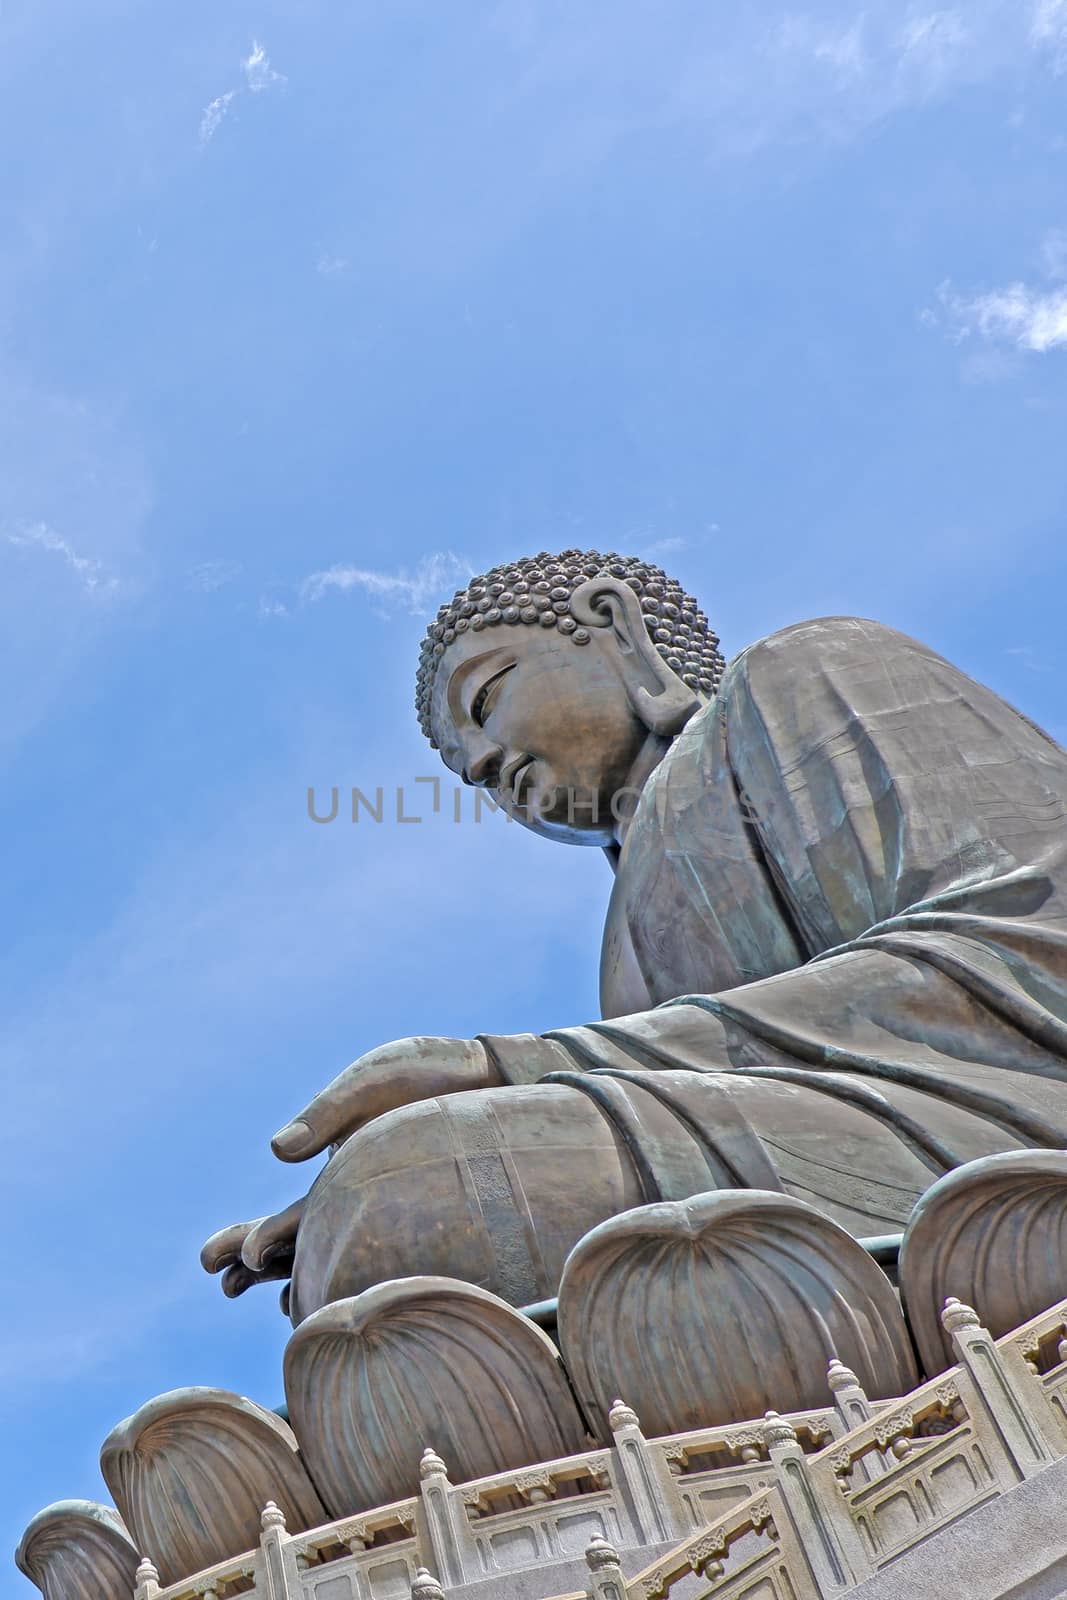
(493,1187)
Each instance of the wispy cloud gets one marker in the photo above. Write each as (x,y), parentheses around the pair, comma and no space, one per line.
(414,591)
(258,75)
(1048,31)
(753,77)
(1028,657)
(1018,316)
(666,547)
(213,115)
(212,575)
(90,574)
(1054,253)
(330,266)
(839,49)
(931,47)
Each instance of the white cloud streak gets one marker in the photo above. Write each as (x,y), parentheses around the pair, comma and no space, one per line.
(1054,253)
(89,573)
(212,575)
(1016,315)
(414,591)
(213,115)
(753,77)
(1048,31)
(935,37)
(259,74)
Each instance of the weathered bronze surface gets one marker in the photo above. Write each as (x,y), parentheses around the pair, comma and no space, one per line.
(192,1470)
(994,1235)
(423,1363)
(835,951)
(702,1311)
(78,1550)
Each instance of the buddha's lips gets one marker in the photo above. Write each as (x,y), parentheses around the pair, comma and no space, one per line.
(514,776)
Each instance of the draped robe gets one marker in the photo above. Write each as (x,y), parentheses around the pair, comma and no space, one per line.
(837,942)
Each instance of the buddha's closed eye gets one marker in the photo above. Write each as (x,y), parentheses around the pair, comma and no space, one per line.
(483,700)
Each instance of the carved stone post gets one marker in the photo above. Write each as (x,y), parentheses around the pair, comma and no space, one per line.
(446,1523)
(853,1407)
(279,1569)
(646,1479)
(426,1586)
(822,1524)
(606,1580)
(1005,1403)
(146,1579)
(850,1400)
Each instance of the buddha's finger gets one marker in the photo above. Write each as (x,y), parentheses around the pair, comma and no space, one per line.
(393,1075)
(272,1237)
(236,1279)
(330,1116)
(224,1247)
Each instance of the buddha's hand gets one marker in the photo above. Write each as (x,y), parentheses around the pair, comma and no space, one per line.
(393,1075)
(247,1253)
(384,1079)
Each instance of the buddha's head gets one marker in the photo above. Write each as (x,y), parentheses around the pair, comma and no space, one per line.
(558,682)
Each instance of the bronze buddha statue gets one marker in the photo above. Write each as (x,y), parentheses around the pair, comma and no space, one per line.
(833,981)
(834,962)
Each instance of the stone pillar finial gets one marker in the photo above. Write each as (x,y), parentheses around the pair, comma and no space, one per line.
(956,1316)
(600,1555)
(622,1416)
(839,1377)
(426,1586)
(431,1464)
(273,1516)
(606,1581)
(146,1579)
(777,1431)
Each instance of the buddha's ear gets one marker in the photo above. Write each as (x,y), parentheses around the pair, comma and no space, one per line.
(659,697)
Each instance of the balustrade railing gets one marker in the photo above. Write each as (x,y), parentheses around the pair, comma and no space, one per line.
(804,1506)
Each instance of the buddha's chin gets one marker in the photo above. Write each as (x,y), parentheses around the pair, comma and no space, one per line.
(570,815)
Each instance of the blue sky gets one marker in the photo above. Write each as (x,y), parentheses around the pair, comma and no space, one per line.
(306,309)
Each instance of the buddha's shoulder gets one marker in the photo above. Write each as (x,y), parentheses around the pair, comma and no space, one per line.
(821,643)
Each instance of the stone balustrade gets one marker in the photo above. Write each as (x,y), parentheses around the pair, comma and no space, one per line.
(805,1506)
(751,1546)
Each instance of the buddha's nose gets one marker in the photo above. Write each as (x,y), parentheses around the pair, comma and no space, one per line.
(483,768)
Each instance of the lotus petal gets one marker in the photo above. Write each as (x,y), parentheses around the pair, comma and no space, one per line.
(78,1550)
(191,1472)
(715,1309)
(373,1381)
(994,1234)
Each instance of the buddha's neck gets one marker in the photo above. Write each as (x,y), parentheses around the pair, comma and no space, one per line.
(651,754)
